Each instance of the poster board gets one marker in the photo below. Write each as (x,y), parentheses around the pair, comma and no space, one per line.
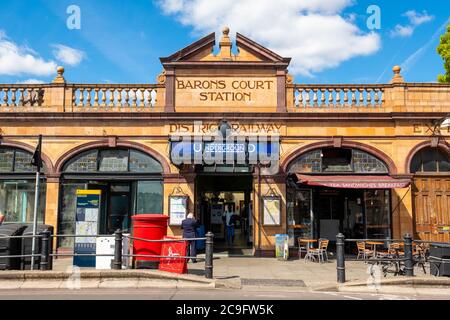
(178,209)
(86,224)
(272,211)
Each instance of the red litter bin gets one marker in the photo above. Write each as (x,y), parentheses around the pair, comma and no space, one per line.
(174,249)
(149,227)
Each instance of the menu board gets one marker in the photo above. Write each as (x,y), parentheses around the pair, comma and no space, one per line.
(86,224)
(272,211)
(178,207)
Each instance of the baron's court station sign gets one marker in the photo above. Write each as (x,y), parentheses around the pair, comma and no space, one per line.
(226,91)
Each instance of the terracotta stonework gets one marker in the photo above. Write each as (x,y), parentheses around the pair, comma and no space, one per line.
(251,92)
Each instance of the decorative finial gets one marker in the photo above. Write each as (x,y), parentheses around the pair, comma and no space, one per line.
(60,77)
(225,45)
(397,76)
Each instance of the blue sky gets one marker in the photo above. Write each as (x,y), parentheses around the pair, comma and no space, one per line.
(121,41)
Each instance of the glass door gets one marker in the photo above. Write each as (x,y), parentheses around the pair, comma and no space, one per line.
(378,214)
(119,208)
(300,215)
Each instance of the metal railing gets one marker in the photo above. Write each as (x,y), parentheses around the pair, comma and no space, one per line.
(46,254)
(404,262)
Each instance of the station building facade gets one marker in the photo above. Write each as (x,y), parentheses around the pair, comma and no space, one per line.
(371,161)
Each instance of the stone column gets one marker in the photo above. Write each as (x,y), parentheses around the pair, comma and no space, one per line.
(51,203)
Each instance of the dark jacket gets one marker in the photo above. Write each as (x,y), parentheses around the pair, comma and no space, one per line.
(189,225)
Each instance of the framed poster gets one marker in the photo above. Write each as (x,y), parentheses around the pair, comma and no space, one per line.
(272,211)
(178,209)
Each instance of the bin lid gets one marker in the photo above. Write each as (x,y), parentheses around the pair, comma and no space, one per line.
(147,217)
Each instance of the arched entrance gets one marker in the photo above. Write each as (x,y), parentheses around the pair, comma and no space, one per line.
(431,193)
(130,182)
(17,186)
(332,190)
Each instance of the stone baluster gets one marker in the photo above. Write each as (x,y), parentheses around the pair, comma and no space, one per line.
(133,98)
(20,97)
(369,97)
(382,97)
(346,98)
(308,98)
(119,98)
(13,98)
(96,97)
(149,99)
(315,98)
(361,97)
(81,99)
(127,98)
(300,98)
(142,97)
(376,101)
(88,98)
(103,92)
(353,97)
(331,97)
(112,98)
(154,97)
(74,98)
(338,97)
(322,97)
(5,98)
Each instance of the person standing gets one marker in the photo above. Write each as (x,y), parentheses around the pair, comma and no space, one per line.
(189,225)
(2,218)
(229,225)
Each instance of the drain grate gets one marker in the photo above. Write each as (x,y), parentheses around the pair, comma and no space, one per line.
(273,282)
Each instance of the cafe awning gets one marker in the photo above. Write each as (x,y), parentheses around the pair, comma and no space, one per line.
(353,181)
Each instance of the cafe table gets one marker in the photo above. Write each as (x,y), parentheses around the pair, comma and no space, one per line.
(374,245)
(309,243)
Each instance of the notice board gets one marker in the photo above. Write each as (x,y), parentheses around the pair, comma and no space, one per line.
(86,224)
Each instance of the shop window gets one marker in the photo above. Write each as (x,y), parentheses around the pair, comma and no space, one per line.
(299,213)
(336,160)
(430,160)
(17,200)
(149,197)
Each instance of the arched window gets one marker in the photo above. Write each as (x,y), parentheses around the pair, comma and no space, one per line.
(13,160)
(130,182)
(113,161)
(338,160)
(17,186)
(430,160)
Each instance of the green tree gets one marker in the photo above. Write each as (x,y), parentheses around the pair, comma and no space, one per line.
(444,51)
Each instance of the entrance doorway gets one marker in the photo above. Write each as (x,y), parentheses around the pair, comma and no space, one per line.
(217,192)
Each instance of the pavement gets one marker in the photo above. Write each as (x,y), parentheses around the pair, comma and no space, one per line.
(231,273)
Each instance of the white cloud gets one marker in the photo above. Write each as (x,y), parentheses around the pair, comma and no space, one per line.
(415,20)
(21,60)
(314,33)
(68,55)
(30,81)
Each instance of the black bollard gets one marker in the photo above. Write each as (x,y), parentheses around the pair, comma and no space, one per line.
(45,251)
(340,258)
(409,258)
(117,262)
(209,248)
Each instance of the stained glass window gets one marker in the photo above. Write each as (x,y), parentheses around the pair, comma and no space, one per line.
(16,160)
(113,160)
(334,160)
(85,162)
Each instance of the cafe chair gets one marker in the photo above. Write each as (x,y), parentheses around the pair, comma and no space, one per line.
(362,251)
(321,251)
(302,247)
